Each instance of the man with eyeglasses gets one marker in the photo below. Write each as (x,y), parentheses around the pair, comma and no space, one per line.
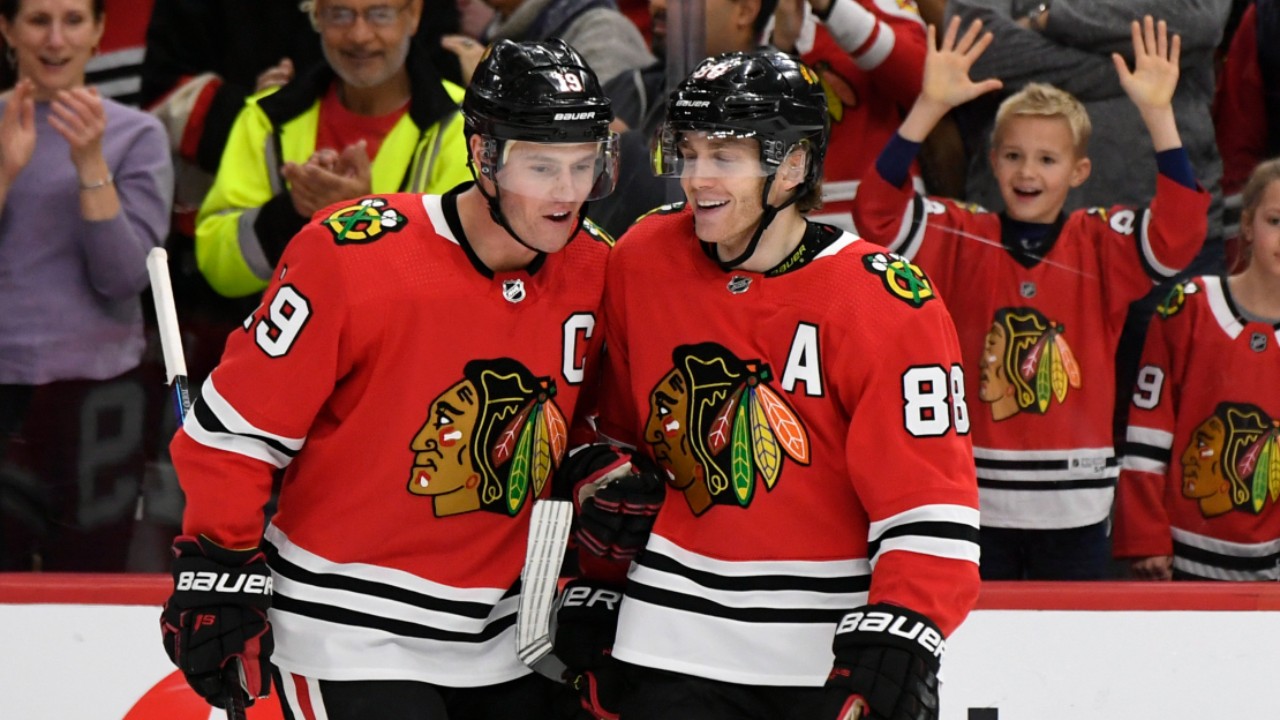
(414,370)
(375,118)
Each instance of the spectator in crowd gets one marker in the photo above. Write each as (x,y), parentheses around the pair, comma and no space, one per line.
(870,56)
(375,118)
(404,346)
(1246,108)
(640,98)
(1200,486)
(84,195)
(817,542)
(609,41)
(1039,295)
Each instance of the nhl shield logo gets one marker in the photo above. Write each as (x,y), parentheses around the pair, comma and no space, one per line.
(739,284)
(513,290)
(1027,289)
(1257,342)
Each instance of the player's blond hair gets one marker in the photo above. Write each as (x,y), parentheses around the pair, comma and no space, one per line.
(1041,100)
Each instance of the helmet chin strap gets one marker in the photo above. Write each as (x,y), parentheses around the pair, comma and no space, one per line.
(770,212)
(495,212)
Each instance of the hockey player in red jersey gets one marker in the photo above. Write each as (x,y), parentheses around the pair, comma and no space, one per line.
(1200,484)
(802,389)
(413,369)
(1039,297)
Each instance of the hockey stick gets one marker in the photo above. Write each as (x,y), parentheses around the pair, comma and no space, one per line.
(549,526)
(175,368)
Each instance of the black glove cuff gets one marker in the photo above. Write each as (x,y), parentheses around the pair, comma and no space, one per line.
(885,625)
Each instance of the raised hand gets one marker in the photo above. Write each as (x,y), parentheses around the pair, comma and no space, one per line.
(77,114)
(788,19)
(17,132)
(946,68)
(1155,75)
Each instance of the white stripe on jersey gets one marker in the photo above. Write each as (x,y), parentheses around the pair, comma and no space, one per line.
(353,621)
(1149,436)
(1221,309)
(237,435)
(759,622)
(1138,463)
(901,537)
(314,707)
(1144,241)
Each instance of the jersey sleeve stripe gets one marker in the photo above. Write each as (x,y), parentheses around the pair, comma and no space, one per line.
(1136,463)
(911,231)
(965,550)
(214,423)
(1155,269)
(941,514)
(1149,436)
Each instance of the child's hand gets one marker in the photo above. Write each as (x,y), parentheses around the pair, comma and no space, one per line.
(946,69)
(1155,75)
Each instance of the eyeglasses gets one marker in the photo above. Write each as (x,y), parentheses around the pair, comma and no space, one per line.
(379,16)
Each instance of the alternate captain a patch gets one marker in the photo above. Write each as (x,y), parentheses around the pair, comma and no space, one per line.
(715,425)
(903,280)
(491,441)
(364,221)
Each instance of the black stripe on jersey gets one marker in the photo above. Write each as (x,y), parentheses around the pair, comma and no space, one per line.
(1064,464)
(930,528)
(1150,452)
(403,628)
(474,610)
(915,236)
(836,585)
(210,421)
(703,606)
(1227,562)
(1038,485)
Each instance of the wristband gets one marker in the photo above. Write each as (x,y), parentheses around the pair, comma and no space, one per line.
(108,180)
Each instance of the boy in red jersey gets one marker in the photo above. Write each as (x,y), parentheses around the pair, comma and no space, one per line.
(802,390)
(1040,297)
(413,369)
(1200,484)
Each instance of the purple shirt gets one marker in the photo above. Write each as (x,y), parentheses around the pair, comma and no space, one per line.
(69,288)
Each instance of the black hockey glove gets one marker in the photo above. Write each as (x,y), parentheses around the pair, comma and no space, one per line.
(587,622)
(217,613)
(887,656)
(617,496)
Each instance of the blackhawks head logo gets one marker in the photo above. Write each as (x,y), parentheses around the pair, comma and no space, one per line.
(490,441)
(716,425)
(1026,364)
(363,222)
(1232,461)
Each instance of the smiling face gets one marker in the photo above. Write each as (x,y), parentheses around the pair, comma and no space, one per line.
(722,179)
(367,53)
(52,41)
(543,186)
(1036,164)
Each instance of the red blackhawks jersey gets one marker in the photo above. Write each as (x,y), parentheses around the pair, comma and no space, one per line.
(1039,327)
(813,425)
(418,404)
(871,67)
(1201,473)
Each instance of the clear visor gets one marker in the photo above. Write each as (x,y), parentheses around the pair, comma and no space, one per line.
(557,172)
(718,153)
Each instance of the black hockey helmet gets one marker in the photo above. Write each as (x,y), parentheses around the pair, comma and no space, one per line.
(767,95)
(536,91)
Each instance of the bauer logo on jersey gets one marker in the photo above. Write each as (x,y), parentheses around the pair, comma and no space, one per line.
(490,442)
(1232,461)
(1176,299)
(1026,363)
(364,222)
(903,280)
(717,426)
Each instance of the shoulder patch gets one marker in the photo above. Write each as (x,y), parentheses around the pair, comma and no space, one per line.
(1176,299)
(364,221)
(668,209)
(969,207)
(903,280)
(597,233)
(1120,221)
